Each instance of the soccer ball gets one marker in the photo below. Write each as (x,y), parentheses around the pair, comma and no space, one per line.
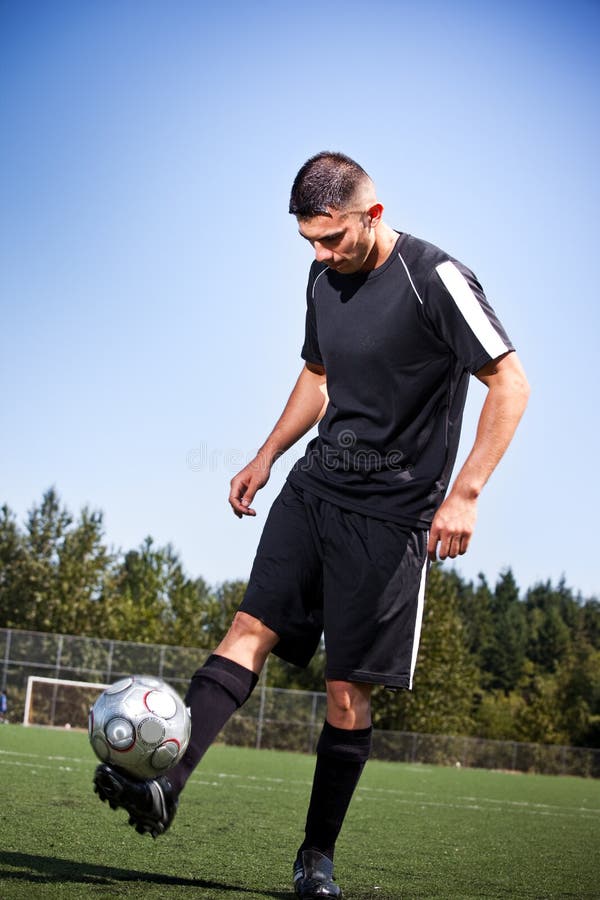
(140,724)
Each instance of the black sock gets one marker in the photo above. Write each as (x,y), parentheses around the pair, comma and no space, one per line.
(216,691)
(341,757)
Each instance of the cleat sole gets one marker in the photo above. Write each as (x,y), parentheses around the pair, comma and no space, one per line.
(115,788)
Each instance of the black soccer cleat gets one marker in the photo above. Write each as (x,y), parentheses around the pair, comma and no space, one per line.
(313,876)
(151,804)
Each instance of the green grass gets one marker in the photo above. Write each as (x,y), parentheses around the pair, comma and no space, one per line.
(412,831)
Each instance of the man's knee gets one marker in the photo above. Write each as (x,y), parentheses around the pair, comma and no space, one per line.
(245,627)
(349,704)
(248,642)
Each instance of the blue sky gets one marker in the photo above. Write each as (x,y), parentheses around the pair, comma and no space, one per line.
(152,283)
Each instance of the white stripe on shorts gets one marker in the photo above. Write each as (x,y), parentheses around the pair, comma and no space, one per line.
(418,620)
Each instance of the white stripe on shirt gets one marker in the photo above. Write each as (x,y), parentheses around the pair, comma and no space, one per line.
(412,284)
(460,291)
(315,282)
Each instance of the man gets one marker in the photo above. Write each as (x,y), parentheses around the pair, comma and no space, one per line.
(394,328)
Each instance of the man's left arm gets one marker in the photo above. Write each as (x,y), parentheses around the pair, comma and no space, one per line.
(507,395)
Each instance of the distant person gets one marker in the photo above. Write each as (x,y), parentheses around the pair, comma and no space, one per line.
(395,327)
(3,708)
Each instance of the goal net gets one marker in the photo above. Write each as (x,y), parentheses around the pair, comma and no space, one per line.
(59,703)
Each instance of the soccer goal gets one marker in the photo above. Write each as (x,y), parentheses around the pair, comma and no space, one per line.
(58,702)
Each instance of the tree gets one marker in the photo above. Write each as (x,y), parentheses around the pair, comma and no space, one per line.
(590,622)
(45,531)
(151,591)
(54,573)
(552,616)
(475,605)
(83,574)
(189,602)
(13,567)
(225,602)
(504,657)
(578,696)
(496,715)
(282,674)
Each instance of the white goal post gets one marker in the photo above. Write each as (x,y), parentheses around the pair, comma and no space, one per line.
(58,702)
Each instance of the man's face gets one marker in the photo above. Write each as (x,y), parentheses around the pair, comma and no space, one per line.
(342,240)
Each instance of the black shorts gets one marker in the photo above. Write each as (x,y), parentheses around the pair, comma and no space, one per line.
(320,568)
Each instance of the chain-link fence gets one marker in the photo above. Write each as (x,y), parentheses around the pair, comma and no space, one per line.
(272,718)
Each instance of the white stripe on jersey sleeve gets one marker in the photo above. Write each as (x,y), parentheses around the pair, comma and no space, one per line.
(458,288)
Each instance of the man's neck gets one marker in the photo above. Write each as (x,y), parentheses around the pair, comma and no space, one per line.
(385,241)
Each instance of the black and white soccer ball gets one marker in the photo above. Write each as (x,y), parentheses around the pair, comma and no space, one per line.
(140,724)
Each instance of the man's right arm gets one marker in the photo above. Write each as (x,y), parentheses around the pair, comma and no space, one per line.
(306,405)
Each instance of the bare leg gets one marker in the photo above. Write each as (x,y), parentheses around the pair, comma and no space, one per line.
(349,704)
(248,642)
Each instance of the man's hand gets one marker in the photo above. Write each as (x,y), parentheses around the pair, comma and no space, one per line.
(246,483)
(507,395)
(452,527)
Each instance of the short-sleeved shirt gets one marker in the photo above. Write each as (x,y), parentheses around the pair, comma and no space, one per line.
(398,344)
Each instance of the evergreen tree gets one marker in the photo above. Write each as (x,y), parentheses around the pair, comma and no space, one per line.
(13,569)
(551,616)
(589,620)
(83,574)
(281,674)
(151,587)
(219,610)
(504,657)
(578,695)
(46,527)
(189,601)
(475,605)
(538,717)
(53,575)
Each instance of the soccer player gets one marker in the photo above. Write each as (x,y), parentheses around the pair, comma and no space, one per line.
(395,327)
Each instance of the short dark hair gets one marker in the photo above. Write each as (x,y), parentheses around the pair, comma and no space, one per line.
(325,181)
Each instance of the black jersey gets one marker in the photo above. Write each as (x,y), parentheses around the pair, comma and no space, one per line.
(398,344)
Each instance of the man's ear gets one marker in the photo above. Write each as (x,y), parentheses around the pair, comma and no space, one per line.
(375,213)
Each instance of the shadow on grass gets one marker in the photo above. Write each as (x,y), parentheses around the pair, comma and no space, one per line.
(49,869)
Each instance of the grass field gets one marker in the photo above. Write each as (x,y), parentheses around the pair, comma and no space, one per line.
(413,831)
